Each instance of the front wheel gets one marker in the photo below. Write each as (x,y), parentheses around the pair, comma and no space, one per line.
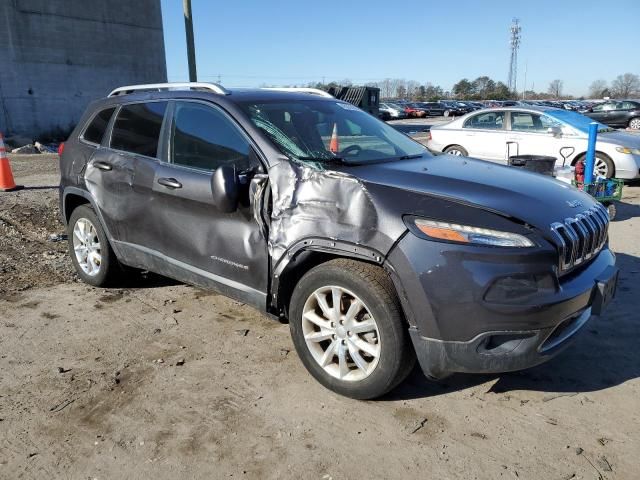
(634,124)
(602,166)
(347,327)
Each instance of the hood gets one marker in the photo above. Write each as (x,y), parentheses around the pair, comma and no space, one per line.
(624,139)
(511,192)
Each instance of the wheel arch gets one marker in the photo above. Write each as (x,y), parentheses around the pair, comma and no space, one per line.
(305,255)
(583,155)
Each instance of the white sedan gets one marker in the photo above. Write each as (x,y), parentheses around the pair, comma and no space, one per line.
(496,134)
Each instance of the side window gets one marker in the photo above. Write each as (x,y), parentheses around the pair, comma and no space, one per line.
(486,121)
(95,131)
(628,106)
(532,122)
(137,128)
(205,138)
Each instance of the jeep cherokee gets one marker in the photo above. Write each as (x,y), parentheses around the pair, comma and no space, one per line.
(313,211)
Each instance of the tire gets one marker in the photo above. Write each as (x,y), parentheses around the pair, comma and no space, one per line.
(611,210)
(456,150)
(101,267)
(447,113)
(634,123)
(603,165)
(387,357)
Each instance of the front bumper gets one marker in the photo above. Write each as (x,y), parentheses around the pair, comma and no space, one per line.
(497,352)
(454,329)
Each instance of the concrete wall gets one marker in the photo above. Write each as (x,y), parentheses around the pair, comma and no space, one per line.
(58,55)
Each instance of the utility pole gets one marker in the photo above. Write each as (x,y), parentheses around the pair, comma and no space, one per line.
(191,49)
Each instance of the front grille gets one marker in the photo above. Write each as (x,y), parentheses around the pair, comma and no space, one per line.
(581,237)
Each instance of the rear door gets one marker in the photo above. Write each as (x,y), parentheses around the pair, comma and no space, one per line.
(192,239)
(484,136)
(110,174)
(621,114)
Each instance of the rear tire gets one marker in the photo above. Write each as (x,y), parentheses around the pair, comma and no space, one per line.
(456,150)
(361,349)
(90,251)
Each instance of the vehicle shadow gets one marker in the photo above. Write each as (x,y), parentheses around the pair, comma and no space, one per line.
(136,279)
(604,355)
(625,211)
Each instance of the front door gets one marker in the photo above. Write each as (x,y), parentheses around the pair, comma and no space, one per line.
(196,242)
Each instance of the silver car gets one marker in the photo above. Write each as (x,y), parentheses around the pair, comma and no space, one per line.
(497,133)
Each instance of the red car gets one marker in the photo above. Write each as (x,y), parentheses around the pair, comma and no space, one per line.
(413,110)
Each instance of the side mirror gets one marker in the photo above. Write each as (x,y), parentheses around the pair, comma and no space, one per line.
(554,131)
(225,189)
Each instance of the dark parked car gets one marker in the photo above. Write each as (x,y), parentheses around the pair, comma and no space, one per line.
(618,113)
(452,109)
(315,212)
(433,109)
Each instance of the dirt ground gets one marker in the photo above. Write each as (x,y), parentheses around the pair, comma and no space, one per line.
(161,380)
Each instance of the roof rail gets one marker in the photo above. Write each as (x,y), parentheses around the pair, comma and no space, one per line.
(152,87)
(313,91)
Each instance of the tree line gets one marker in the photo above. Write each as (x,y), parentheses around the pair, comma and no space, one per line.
(485,88)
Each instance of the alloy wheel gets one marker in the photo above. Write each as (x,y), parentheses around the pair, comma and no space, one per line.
(86,246)
(600,168)
(341,333)
(635,124)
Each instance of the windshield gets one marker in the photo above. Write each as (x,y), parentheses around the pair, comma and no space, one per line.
(326,130)
(576,120)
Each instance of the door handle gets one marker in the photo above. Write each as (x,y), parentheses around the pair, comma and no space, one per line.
(103,166)
(169,182)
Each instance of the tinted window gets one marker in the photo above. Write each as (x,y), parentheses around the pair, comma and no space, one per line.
(628,106)
(97,127)
(487,120)
(205,138)
(137,128)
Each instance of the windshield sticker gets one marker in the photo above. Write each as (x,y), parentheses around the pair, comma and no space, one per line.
(347,106)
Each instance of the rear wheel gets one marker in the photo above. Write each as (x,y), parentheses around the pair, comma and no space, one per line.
(456,150)
(91,254)
(634,124)
(347,327)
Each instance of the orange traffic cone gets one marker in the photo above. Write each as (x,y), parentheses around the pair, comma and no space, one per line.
(334,147)
(7,183)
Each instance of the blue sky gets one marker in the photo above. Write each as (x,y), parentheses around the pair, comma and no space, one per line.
(286,42)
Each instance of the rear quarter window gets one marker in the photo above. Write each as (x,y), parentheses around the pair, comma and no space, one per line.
(137,128)
(95,130)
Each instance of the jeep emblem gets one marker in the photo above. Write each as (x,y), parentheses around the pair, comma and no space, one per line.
(574,203)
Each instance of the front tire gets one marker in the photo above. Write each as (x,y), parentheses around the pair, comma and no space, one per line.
(603,166)
(456,150)
(634,123)
(91,254)
(347,327)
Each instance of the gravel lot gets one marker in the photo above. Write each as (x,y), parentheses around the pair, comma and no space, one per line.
(162,380)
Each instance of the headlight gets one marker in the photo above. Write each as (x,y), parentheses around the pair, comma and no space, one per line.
(453,232)
(635,151)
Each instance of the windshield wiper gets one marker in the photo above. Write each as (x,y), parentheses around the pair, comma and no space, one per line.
(409,157)
(338,160)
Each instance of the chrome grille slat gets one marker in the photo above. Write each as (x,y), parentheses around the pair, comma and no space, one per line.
(580,238)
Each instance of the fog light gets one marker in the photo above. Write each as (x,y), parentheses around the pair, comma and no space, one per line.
(520,288)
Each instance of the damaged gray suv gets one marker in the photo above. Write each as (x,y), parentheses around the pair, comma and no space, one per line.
(313,211)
